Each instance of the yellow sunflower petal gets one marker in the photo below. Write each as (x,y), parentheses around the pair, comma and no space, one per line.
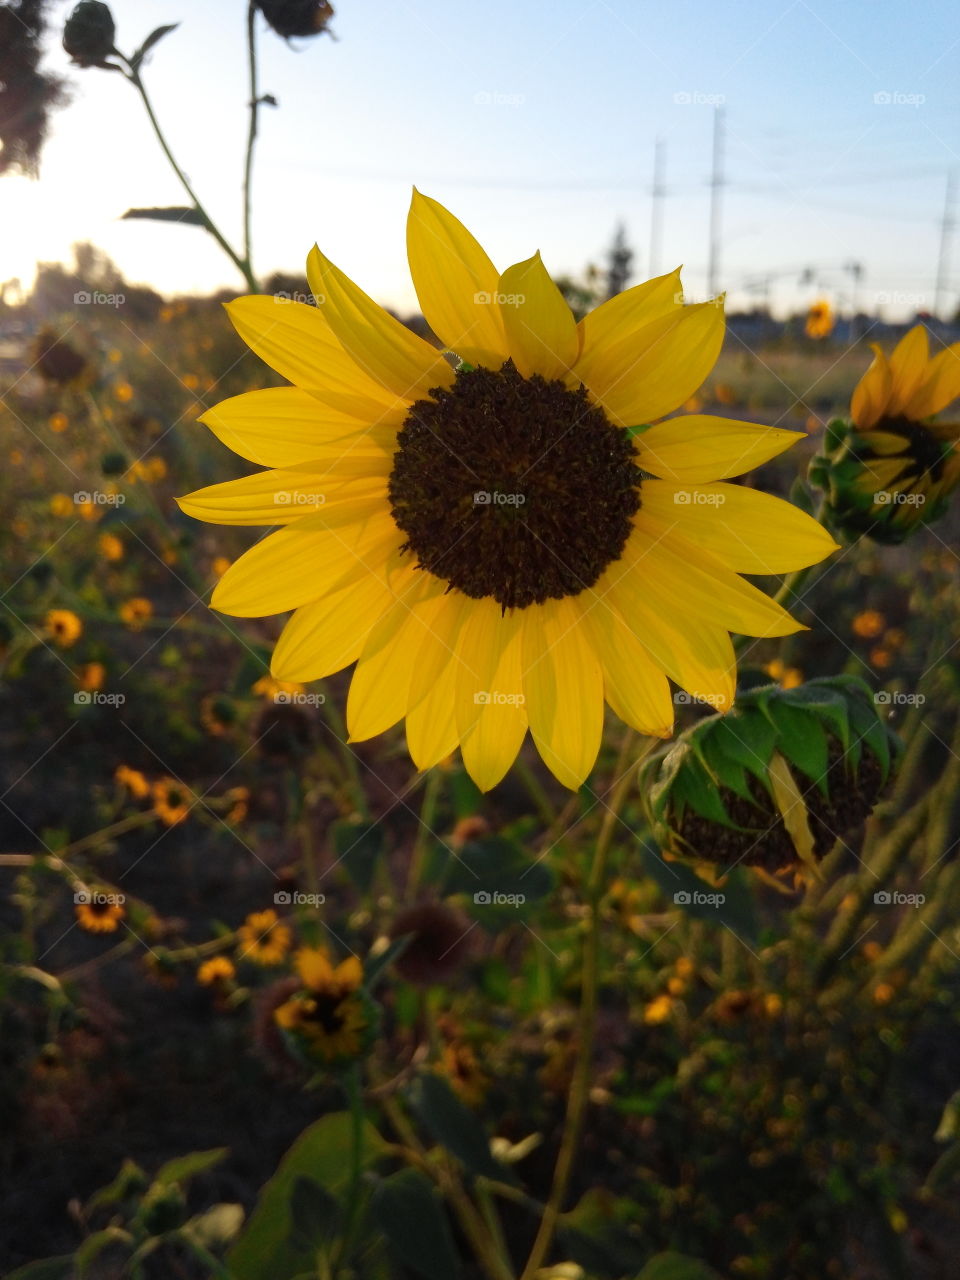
(563,687)
(872,393)
(908,366)
(748,531)
(329,634)
(296,566)
(389,353)
(296,341)
(940,386)
(431,725)
(490,716)
(631,310)
(283,426)
(456,283)
(281,497)
(635,687)
(698,448)
(349,973)
(314,968)
(380,689)
(707,586)
(539,325)
(652,370)
(696,654)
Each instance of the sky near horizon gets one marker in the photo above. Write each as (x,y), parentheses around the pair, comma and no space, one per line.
(535,122)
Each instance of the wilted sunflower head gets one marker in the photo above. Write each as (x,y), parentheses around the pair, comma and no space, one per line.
(503,534)
(891,469)
(57,361)
(439,941)
(775,782)
(297,17)
(89,33)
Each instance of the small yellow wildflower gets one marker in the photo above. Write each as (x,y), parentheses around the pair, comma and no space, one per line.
(263,938)
(59,422)
(133,780)
(216,970)
(63,627)
(171,801)
(868,625)
(111,548)
(135,612)
(658,1010)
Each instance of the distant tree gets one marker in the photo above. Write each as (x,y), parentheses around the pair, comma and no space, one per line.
(27,94)
(620,263)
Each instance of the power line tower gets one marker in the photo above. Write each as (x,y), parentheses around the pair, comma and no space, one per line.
(657,193)
(947,223)
(716,186)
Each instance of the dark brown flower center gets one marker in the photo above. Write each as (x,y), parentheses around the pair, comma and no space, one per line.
(514,488)
(324,1009)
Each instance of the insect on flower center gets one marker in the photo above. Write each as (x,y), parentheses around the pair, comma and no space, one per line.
(513,488)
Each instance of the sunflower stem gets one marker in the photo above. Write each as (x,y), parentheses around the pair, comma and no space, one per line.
(580,1084)
(251,135)
(357,1117)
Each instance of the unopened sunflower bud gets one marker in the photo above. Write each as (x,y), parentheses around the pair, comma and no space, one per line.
(775,781)
(297,17)
(89,33)
(886,482)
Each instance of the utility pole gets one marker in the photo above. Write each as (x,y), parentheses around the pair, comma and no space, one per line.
(947,223)
(657,192)
(716,185)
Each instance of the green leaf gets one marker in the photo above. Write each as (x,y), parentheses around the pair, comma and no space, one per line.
(314,1213)
(358,847)
(454,1126)
(499,879)
(183,1168)
(683,888)
(322,1154)
(94,1245)
(410,1214)
(216,1227)
(677,1266)
(60,1268)
(153,38)
(184,213)
(129,1182)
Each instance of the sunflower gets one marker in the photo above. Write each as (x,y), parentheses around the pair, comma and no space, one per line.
(820,319)
(892,469)
(133,780)
(501,545)
(216,970)
(63,627)
(135,612)
(263,939)
(99,912)
(327,1018)
(171,801)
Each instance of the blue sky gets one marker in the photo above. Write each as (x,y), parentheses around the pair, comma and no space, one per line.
(535,122)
